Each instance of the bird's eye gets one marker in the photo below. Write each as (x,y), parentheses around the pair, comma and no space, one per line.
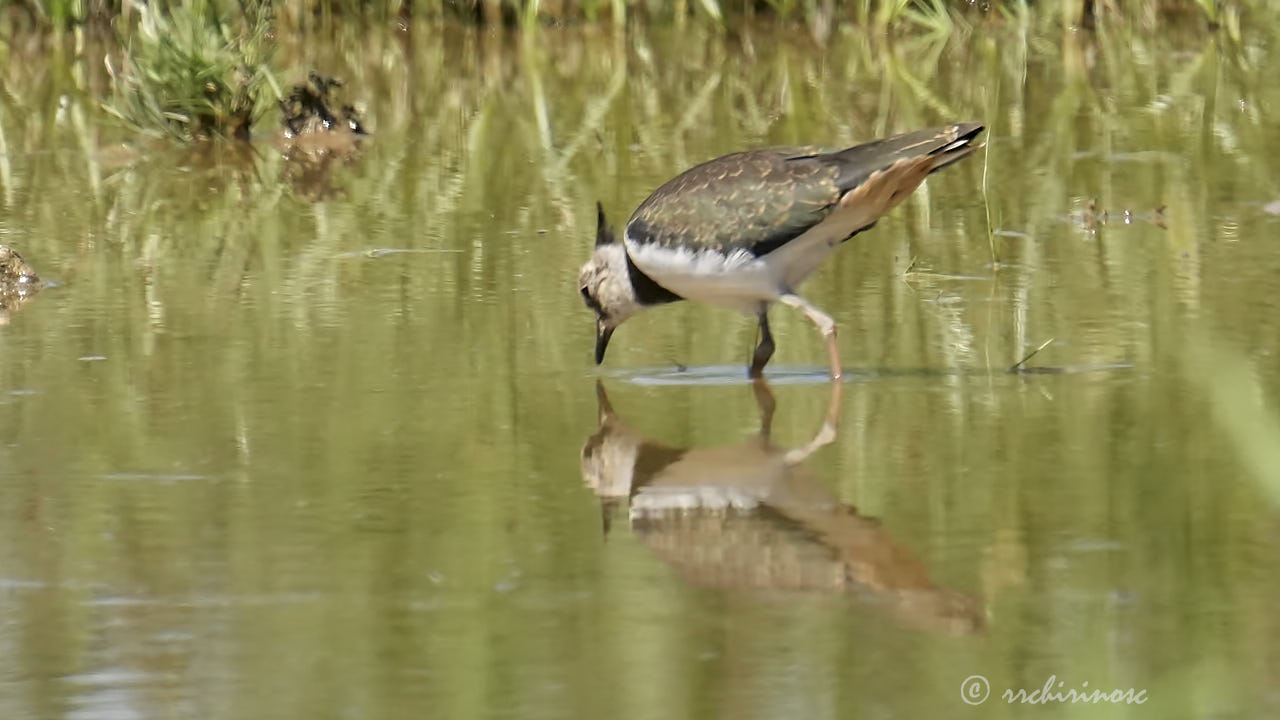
(590,301)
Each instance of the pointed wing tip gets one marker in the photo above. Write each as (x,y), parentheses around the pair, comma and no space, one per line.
(967,129)
(961,136)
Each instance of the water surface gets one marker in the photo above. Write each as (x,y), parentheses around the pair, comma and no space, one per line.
(326,440)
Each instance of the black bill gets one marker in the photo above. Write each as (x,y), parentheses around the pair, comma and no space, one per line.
(603,334)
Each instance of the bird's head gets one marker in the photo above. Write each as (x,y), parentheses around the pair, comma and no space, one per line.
(605,285)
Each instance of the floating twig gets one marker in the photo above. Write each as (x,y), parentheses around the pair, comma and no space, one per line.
(1018,365)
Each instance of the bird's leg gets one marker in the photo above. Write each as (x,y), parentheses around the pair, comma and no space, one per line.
(825,324)
(825,435)
(764,350)
(766,403)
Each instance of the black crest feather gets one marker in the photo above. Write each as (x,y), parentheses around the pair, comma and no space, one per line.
(604,234)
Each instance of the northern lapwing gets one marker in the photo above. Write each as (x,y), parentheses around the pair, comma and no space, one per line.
(742,231)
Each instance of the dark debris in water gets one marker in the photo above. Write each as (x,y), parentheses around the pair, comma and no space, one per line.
(18,282)
(1093,217)
(14,270)
(317,138)
(309,108)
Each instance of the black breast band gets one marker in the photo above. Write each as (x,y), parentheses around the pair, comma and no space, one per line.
(648,292)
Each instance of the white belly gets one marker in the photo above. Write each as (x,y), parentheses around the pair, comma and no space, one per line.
(737,280)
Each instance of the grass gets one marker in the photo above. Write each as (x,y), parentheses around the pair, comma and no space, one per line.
(191,73)
(200,69)
(936,15)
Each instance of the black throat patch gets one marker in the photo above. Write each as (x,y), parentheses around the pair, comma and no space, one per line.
(648,292)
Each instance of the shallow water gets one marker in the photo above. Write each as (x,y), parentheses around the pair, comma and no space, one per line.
(326,440)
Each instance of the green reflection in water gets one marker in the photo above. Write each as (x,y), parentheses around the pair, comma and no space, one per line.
(254,463)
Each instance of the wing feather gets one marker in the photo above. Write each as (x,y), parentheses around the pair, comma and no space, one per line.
(753,201)
(759,200)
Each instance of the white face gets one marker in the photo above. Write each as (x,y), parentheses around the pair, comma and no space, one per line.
(606,287)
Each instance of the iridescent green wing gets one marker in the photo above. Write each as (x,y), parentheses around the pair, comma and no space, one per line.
(759,200)
(753,201)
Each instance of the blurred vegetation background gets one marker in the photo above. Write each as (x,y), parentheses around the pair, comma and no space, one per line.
(203,68)
(61,14)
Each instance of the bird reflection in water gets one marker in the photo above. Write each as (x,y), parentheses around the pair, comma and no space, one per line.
(751,517)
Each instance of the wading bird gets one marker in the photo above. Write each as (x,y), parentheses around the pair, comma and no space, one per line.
(743,230)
